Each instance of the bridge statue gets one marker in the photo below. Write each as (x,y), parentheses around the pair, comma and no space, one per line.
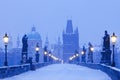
(24,49)
(106,41)
(106,52)
(90,53)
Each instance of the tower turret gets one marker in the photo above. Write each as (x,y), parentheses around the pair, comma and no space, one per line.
(69,28)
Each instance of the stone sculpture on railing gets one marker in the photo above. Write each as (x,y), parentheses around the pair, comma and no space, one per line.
(106,52)
(24,49)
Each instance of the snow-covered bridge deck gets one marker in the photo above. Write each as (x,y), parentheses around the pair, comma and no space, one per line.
(62,72)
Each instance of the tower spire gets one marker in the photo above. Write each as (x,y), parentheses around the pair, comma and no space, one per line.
(47,42)
(59,42)
(69,28)
(33,28)
(76,31)
(18,41)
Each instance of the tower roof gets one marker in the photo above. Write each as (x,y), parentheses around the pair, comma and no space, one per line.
(69,28)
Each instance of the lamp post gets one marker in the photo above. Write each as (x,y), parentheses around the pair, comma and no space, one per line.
(77,57)
(49,57)
(91,50)
(113,39)
(37,52)
(6,39)
(83,56)
(82,52)
(45,54)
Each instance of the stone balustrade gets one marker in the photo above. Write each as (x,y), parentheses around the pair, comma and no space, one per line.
(113,72)
(9,71)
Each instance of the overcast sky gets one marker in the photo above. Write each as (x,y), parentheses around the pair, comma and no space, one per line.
(92,17)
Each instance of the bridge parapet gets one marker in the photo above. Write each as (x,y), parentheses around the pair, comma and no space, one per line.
(9,71)
(113,72)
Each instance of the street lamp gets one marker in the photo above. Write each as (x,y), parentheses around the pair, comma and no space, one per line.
(6,39)
(45,54)
(37,52)
(37,48)
(70,58)
(113,39)
(74,56)
(92,49)
(77,57)
(82,57)
(82,52)
(49,55)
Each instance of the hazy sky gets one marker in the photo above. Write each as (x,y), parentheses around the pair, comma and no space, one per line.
(92,17)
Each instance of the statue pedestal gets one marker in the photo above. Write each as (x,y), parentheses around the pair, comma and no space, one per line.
(106,57)
(83,58)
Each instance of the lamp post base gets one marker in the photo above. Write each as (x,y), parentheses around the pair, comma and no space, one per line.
(113,64)
(5,63)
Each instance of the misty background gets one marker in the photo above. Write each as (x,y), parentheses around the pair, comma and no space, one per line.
(92,17)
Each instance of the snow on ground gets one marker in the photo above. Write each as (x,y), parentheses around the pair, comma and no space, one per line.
(62,72)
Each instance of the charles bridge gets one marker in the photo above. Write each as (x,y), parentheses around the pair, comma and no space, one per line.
(105,64)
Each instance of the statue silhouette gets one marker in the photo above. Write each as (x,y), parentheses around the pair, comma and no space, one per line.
(106,52)
(24,48)
(24,42)
(106,41)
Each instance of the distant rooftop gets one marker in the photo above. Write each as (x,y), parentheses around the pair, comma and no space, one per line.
(34,35)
